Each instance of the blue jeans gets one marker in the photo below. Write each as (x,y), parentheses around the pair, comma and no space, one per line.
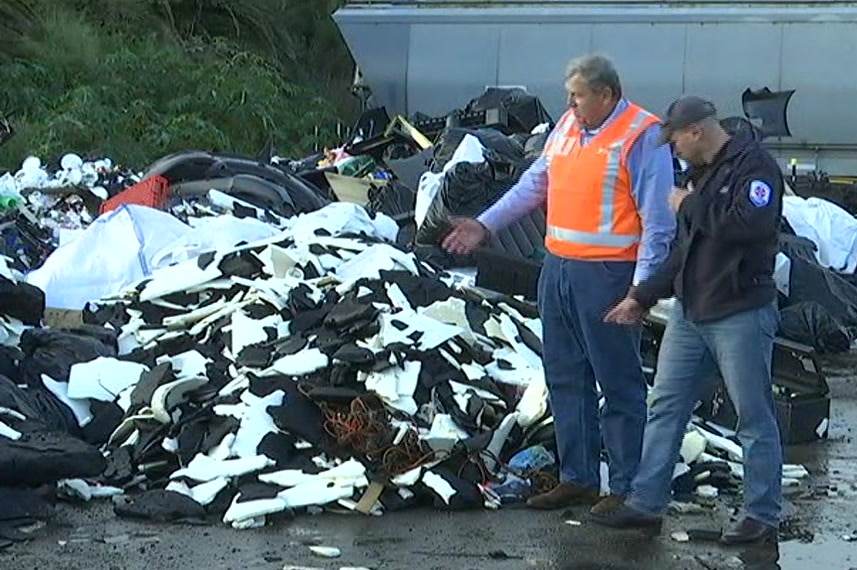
(580,349)
(741,346)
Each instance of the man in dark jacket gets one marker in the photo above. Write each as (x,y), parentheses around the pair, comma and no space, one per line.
(725,317)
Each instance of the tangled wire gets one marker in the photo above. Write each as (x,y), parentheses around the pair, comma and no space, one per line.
(365,430)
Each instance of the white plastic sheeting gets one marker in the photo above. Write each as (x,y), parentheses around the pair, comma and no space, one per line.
(112,253)
(126,245)
(215,233)
(830,227)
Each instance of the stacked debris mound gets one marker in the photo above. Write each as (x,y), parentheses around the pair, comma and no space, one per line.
(322,365)
(44,205)
(317,366)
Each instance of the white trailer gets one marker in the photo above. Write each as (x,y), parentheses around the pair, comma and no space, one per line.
(433,56)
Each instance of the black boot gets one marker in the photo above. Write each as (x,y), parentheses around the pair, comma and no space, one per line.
(749,531)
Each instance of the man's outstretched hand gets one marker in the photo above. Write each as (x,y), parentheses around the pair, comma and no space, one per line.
(466,235)
(628,312)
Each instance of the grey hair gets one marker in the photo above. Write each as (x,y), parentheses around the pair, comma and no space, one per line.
(597,71)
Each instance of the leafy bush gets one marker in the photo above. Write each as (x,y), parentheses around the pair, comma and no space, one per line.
(137,79)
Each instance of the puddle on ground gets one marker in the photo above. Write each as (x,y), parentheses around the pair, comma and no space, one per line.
(823,554)
(830,554)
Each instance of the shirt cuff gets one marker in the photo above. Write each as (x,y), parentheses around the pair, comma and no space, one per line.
(486,220)
(641,273)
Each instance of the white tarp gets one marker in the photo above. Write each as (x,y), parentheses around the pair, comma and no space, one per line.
(126,245)
(110,255)
(830,227)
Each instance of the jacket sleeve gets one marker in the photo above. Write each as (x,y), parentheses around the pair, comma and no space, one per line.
(660,284)
(750,211)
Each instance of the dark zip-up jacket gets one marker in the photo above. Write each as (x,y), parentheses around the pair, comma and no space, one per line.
(722,260)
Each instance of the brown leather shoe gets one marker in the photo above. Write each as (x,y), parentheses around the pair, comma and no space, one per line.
(608,505)
(562,496)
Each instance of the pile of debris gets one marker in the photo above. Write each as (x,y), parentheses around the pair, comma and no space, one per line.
(322,367)
(44,206)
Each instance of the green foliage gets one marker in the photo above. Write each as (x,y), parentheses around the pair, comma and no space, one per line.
(137,79)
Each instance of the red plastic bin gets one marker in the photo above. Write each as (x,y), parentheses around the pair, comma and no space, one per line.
(152,192)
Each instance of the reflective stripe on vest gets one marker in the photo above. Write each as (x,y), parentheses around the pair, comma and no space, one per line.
(589,238)
(604,236)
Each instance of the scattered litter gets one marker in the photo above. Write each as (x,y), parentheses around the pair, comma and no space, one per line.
(680,536)
(326,551)
(686,508)
(704,535)
(573,523)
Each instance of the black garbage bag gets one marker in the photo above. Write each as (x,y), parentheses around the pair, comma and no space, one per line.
(159,505)
(525,111)
(42,409)
(46,457)
(810,282)
(467,190)
(10,356)
(811,324)
(54,352)
(500,149)
(22,301)
(393,199)
(534,146)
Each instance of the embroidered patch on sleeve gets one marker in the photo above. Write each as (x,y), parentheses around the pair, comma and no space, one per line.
(760,193)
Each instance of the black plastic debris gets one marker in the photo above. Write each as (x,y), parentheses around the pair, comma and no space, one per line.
(812,324)
(40,408)
(41,457)
(53,352)
(160,506)
(22,301)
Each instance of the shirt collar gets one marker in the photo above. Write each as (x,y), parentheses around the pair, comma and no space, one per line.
(620,106)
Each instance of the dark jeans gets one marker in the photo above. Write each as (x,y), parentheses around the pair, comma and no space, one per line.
(580,350)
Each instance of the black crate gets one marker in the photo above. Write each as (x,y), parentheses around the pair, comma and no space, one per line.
(802,418)
(507,274)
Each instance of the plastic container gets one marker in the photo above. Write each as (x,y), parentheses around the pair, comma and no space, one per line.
(532,459)
(152,192)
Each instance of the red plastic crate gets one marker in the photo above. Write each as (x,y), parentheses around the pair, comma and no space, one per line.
(152,192)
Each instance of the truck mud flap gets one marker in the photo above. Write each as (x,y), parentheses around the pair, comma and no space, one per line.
(769,107)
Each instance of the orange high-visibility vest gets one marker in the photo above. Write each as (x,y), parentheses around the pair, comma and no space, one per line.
(591,210)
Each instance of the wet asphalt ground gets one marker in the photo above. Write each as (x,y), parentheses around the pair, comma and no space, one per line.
(821,515)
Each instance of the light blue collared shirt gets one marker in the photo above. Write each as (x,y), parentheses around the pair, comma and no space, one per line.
(652,179)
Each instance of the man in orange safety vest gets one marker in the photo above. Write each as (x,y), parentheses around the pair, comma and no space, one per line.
(607,182)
